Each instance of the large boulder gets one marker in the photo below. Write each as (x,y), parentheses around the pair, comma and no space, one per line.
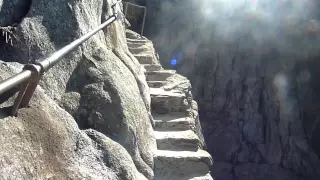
(44,142)
(101,84)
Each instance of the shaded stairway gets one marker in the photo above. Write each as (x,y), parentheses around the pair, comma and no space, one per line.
(178,156)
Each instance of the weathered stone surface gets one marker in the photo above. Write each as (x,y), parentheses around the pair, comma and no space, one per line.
(138,41)
(262,172)
(178,83)
(13,11)
(138,50)
(152,67)
(133,35)
(114,97)
(162,75)
(115,154)
(171,121)
(156,84)
(181,164)
(222,171)
(165,101)
(260,86)
(44,141)
(258,95)
(71,102)
(175,115)
(229,139)
(206,177)
(177,140)
(252,130)
(138,44)
(135,45)
(146,58)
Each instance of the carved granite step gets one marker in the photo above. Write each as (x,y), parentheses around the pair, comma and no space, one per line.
(206,177)
(181,165)
(159,75)
(145,58)
(135,45)
(141,49)
(175,121)
(133,35)
(167,101)
(177,140)
(152,67)
(138,41)
(156,84)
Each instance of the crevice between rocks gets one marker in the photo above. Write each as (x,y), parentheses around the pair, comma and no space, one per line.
(19,12)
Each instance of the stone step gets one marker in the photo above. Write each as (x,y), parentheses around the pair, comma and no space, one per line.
(177,140)
(138,41)
(206,177)
(181,165)
(141,49)
(133,35)
(159,75)
(135,45)
(145,58)
(167,101)
(156,84)
(152,67)
(175,121)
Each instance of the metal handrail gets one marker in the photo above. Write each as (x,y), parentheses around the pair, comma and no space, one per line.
(144,14)
(32,73)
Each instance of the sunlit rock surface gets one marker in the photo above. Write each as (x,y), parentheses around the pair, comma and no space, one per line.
(44,142)
(101,84)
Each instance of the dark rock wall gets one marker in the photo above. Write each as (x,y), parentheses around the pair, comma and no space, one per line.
(253,69)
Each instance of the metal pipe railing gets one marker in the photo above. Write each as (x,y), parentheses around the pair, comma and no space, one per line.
(31,74)
(144,13)
(55,57)
(14,81)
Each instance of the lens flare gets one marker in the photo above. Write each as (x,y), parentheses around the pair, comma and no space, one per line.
(173,62)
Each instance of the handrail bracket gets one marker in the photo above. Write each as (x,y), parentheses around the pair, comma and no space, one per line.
(28,88)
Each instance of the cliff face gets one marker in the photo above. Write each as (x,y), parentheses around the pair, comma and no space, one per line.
(256,89)
(44,141)
(100,84)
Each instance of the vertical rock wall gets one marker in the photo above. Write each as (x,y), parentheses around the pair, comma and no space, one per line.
(253,79)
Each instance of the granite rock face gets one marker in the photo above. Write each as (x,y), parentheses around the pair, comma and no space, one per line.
(44,141)
(101,84)
(180,153)
(254,80)
(13,11)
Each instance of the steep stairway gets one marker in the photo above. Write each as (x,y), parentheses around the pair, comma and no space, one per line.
(178,155)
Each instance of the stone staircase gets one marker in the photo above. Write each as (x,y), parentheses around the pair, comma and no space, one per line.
(178,155)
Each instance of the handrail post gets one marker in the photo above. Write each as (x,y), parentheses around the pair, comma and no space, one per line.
(144,19)
(144,14)
(126,9)
(28,88)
